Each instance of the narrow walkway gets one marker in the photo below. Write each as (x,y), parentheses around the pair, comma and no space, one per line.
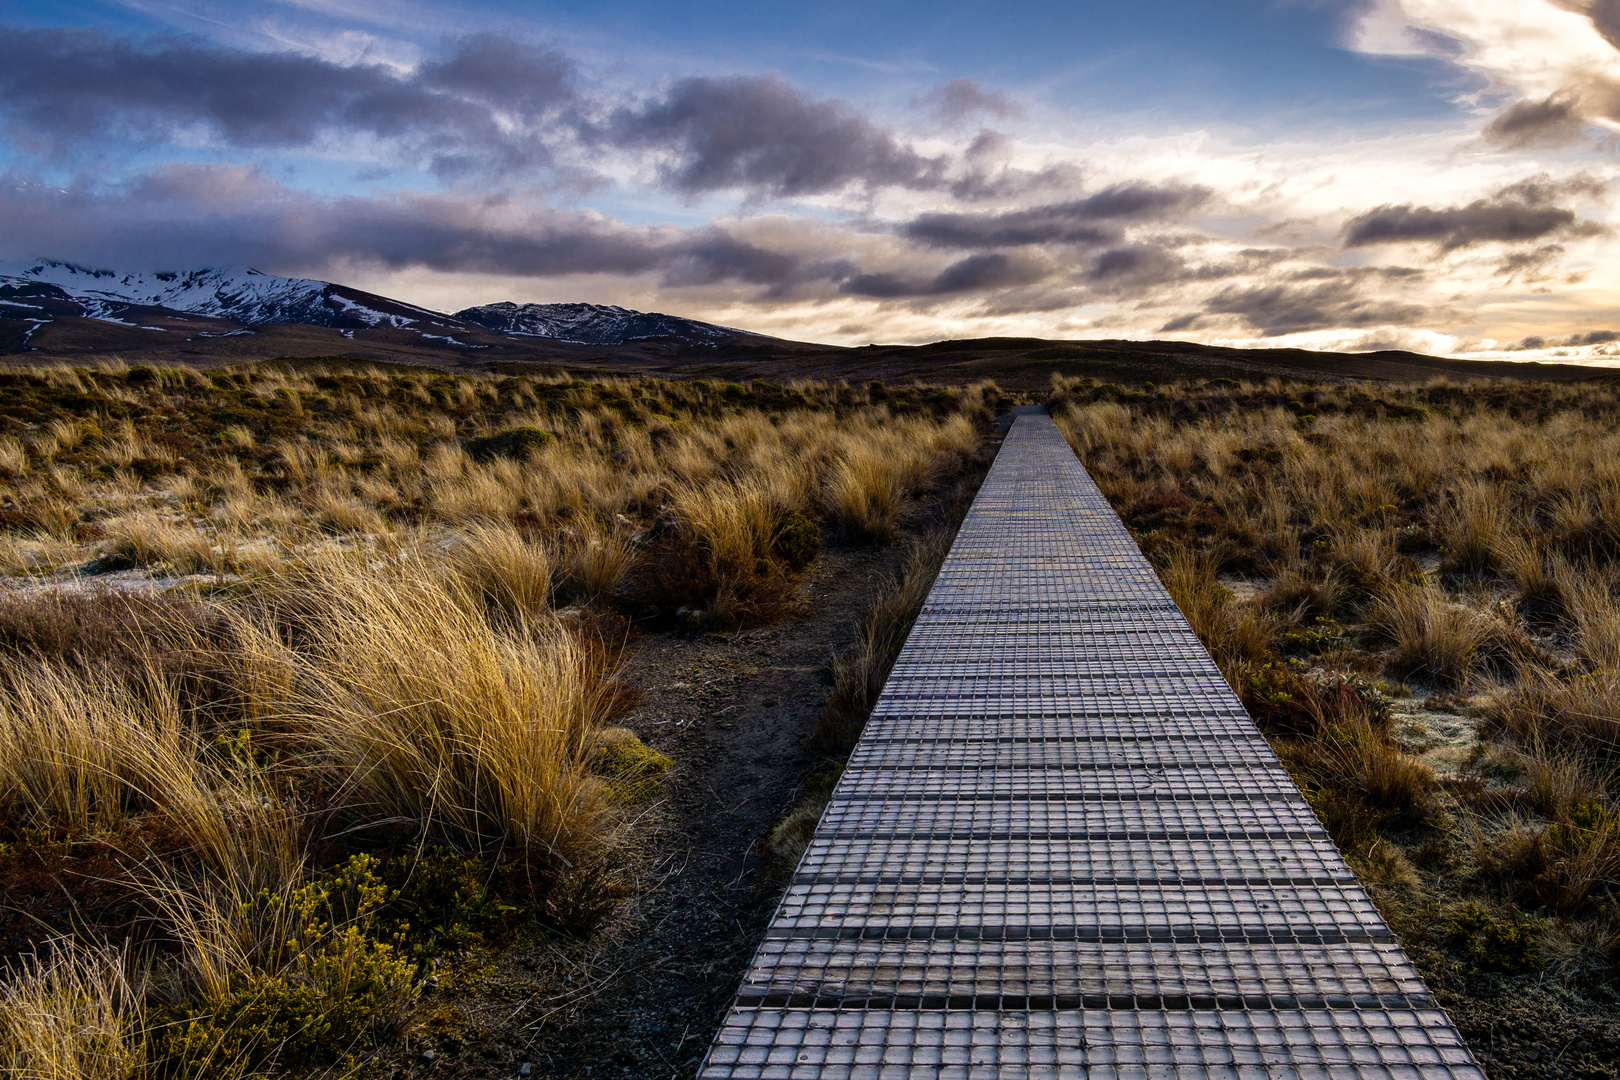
(1062,848)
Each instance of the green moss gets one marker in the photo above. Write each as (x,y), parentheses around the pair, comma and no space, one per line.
(633,770)
(1323,635)
(798,540)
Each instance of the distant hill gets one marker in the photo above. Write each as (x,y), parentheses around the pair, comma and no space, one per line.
(56,311)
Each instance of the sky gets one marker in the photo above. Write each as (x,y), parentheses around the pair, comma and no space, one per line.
(1436,175)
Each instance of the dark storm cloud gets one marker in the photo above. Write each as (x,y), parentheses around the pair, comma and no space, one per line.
(1137,266)
(972,274)
(186,216)
(1591,337)
(1605,15)
(760,134)
(189,216)
(714,255)
(1553,121)
(988,173)
(1292,306)
(62,90)
(1525,212)
(955,101)
(1594,337)
(1097,219)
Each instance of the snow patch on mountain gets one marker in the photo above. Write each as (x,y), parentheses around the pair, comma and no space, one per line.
(240,295)
(49,289)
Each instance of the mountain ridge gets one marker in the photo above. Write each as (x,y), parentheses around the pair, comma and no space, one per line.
(590,324)
(44,291)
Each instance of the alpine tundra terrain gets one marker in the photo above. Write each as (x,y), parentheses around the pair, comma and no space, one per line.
(366,719)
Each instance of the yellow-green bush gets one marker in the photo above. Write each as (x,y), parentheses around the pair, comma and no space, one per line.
(1509,945)
(338,992)
(632,769)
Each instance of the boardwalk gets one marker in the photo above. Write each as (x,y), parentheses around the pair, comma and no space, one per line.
(1061,848)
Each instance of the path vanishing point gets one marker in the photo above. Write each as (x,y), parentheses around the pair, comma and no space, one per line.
(1062,849)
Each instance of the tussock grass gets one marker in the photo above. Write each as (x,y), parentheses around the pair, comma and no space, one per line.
(70,1014)
(1462,539)
(508,571)
(477,733)
(1434,637)
(1236,635)
(405,646)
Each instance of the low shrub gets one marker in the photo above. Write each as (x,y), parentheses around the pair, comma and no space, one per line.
(797,540)
(516,444)
(337,994)
(1508,945)
(634,771)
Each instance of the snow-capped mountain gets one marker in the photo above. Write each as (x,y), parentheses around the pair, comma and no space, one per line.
(592,324)
(219,302)
(244,296)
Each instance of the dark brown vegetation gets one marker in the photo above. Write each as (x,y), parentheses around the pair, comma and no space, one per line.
(1015,363)
(1413,589)
(307,676)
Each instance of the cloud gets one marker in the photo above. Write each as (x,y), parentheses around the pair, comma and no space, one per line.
(760,134)
(1336,300)
(1137,266)
(186,216)
(484,104)
(955,101)
(988,173)
(1524,212)
(976,273)
(1096,219)
(1559,59)
(1575,341)
(1553,121)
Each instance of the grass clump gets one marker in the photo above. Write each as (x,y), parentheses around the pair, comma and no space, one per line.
(858,673)
(71,1014)
(479,735)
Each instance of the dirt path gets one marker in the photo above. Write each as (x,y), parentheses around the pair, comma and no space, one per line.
(735,712)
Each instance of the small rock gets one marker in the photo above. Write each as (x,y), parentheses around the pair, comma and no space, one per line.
(428,1055)
(525,1069)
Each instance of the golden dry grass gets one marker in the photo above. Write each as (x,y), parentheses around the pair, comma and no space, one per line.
(68,1015)
(479,734)
(385,642)
(1461,542)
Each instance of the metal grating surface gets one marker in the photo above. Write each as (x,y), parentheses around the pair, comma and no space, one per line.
(1061,848)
